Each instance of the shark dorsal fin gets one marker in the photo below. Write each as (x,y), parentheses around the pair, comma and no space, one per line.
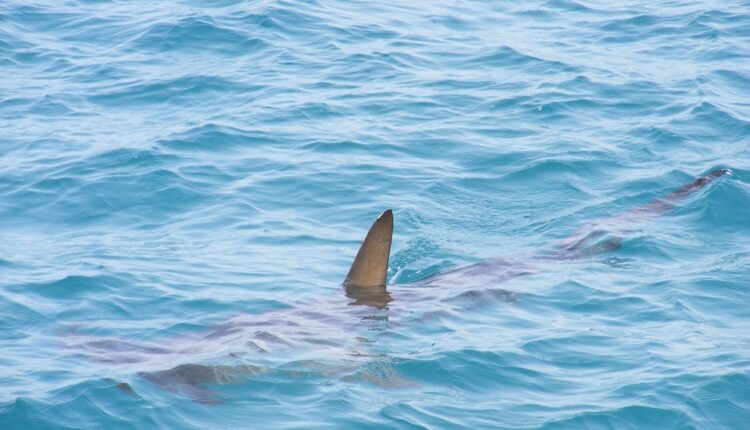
(371,264)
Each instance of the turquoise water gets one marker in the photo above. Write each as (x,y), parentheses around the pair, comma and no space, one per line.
(186,183)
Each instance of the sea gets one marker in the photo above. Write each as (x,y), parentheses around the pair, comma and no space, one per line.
(185,183)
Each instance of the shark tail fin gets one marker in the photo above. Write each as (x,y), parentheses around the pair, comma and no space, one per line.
(666,203)
(371,264)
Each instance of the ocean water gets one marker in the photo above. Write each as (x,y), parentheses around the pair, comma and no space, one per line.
(184,184)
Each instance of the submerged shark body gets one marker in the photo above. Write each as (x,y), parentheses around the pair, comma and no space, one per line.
(325,328)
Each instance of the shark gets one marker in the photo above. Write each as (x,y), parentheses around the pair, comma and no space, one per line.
(250,346)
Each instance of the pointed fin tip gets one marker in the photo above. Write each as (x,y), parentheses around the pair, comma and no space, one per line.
(370,266)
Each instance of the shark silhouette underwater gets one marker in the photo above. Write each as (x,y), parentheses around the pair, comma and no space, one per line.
(251,344)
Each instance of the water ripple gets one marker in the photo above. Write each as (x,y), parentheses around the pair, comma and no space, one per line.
(183,186)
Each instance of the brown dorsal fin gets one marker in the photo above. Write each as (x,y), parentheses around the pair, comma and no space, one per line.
(371,264)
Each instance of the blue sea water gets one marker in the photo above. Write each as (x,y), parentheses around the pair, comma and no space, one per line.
(166,167)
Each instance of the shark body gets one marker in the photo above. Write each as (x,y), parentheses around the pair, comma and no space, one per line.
(317,328)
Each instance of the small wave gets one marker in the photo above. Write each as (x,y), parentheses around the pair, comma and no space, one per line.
(212,137)
(507,57)
(73,287)
(194,34)
(627,417)
(179,91)
(717,118)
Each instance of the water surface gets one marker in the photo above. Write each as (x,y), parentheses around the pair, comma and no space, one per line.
(167,167)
